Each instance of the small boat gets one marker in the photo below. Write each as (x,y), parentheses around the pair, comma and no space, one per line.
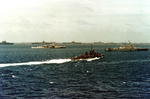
(52,46)
(90,55)
(6,43)
(126,47)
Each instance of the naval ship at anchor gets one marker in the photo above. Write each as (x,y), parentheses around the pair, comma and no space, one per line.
(51,46)
(126,47)
(6,43)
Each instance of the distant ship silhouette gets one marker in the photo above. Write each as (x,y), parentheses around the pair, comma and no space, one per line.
(126,47)
(6,43)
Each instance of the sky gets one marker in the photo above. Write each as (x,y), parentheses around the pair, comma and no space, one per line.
(75,20)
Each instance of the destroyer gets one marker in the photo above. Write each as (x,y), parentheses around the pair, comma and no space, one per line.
(126,47)
(6,43)
(90,55)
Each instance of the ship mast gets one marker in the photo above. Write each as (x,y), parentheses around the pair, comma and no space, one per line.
(91,47)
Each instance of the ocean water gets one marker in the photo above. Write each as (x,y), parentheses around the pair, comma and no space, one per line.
(27,73)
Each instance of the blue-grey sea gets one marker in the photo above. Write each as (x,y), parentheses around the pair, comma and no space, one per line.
(27,73)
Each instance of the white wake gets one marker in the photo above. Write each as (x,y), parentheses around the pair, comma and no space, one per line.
(91,59)
(53,61)
(56,61)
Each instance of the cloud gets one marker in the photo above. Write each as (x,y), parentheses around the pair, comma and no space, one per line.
(68,20)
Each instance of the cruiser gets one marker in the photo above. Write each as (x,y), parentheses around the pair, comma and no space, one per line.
(90,55)
(52,46)
(126,47)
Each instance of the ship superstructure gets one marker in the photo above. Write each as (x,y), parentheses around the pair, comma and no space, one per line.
(126,47)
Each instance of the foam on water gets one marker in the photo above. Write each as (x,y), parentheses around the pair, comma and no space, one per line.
(56,61)
(91,59)
(59,61)
(53,61)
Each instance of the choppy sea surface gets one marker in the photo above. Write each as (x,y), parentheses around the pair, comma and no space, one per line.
(27,73)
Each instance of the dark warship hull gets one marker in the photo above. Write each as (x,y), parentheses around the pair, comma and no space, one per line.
(92,54)
(84,57)
(6,43)
(142,49)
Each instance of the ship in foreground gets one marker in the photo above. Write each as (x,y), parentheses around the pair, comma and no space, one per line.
(6,43)
(92,54)
(52,46)
(126,47)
